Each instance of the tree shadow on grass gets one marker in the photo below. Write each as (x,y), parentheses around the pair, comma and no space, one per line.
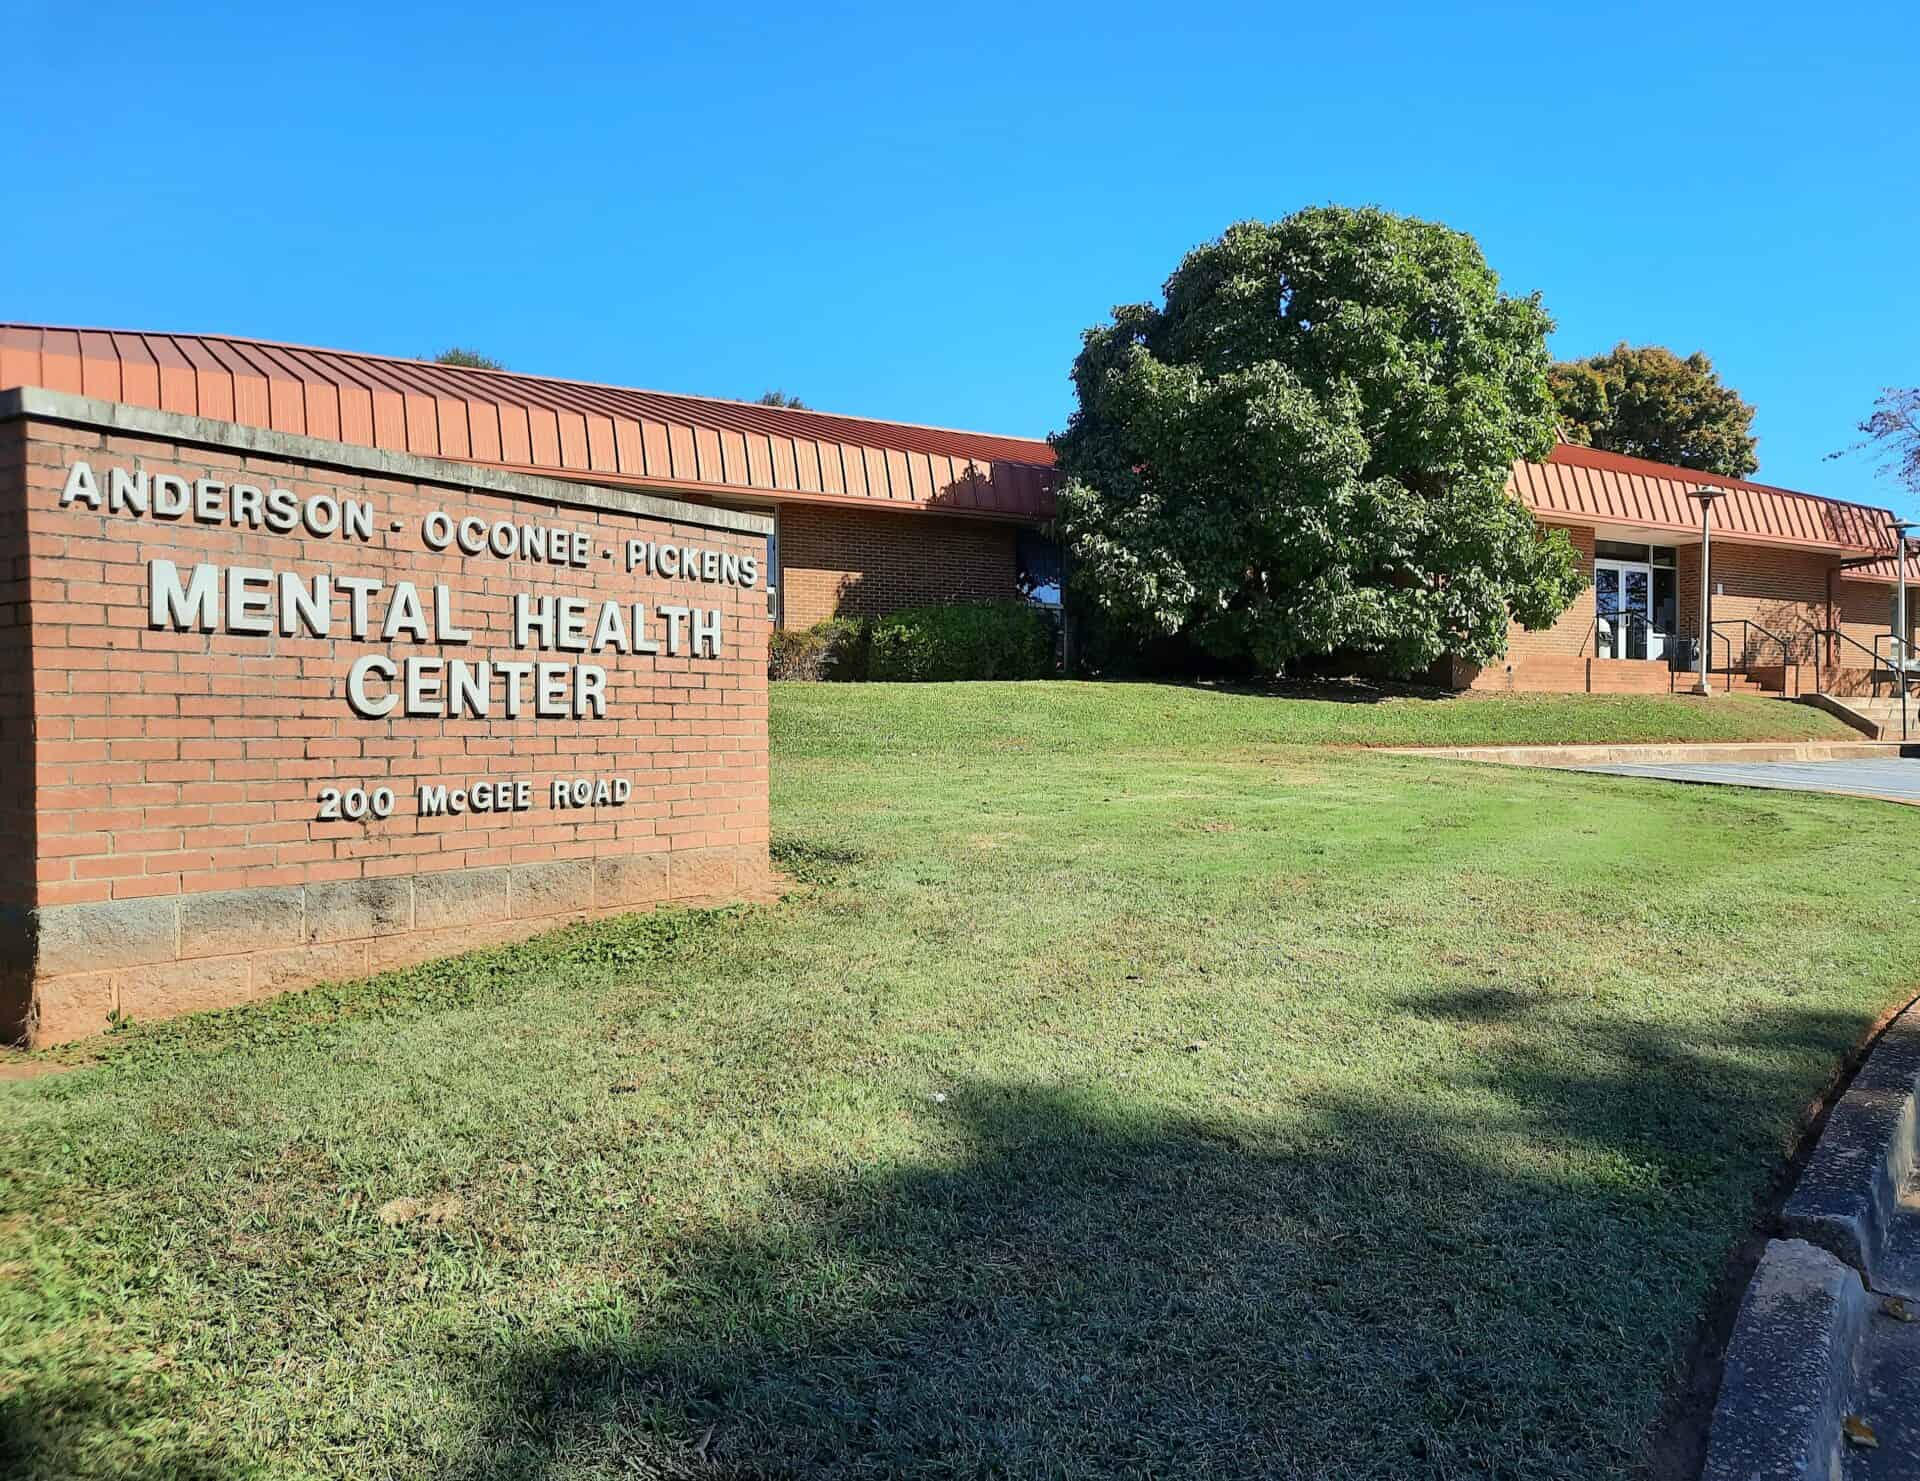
(1071,1282)
(66,1428)
(1356,1288)
(1079,1293)
(1333,689)
(1643,1090)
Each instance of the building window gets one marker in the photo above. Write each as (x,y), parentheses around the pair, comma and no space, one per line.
(1633,551)
(1037,567)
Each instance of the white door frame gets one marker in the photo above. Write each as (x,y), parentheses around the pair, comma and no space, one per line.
(1656,644)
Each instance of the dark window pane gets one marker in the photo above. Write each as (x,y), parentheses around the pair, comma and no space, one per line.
(1037,567)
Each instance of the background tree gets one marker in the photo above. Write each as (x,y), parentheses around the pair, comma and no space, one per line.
(1647,402)
(1892,434)
(1306,449)
(781,398)
(471,359)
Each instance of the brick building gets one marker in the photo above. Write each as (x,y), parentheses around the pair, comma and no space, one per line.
(1803,586)
(315,663)
(871,515)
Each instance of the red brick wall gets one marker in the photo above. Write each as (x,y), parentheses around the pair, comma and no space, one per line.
(847,562)
(16,743)
(183,768)
(1865,610)
(1780,589)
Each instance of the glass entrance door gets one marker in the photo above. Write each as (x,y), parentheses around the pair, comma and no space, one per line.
(1623,603)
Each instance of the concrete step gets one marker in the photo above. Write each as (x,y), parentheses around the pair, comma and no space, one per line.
(1877,719)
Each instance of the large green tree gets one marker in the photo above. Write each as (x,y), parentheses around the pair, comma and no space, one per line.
(1646,402)
(1305,449)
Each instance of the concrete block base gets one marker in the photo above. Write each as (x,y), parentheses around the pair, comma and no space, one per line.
(159,957)
(1823,1341)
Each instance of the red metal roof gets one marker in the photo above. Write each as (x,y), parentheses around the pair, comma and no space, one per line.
(1885,571)
(610,434)
(527,423)
(1581,483)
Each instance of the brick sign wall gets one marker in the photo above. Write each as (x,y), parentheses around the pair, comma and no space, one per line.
(300,711)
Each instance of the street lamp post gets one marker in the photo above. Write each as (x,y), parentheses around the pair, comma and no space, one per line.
(1706,495)
(1899,529)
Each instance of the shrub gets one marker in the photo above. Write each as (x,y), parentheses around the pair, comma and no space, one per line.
(834,649)
(849,647)
(796,655)
(976,640)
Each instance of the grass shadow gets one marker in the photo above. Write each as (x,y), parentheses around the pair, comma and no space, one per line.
(1077,1288)
(1071,1281)
(1342,690)
(48,1429)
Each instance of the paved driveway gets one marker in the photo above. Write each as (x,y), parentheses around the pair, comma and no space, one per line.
(1888,777)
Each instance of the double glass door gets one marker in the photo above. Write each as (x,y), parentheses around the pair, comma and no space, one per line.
(1623,603)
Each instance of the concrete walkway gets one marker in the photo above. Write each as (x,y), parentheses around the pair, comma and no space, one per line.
(1887,1395)
(1888,778)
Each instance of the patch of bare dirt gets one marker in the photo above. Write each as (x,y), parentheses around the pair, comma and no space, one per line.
(17,1066)
(433,1213)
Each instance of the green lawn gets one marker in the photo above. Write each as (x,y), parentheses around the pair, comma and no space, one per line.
(819,720)
(1133,1089)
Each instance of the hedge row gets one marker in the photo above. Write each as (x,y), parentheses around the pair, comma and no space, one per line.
(973,640)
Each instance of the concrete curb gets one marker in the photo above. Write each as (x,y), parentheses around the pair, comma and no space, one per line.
(1789,1366)
(1629,755)
(1845,1199)
(1800,1343)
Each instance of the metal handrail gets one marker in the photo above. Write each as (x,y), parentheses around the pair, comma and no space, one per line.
(1626,619)
(1771,637)
(1729,669)
(1903,675)
(1873,656)
(1748,627)
(1905,667)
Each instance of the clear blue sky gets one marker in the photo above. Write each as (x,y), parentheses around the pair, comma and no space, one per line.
(911,212)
